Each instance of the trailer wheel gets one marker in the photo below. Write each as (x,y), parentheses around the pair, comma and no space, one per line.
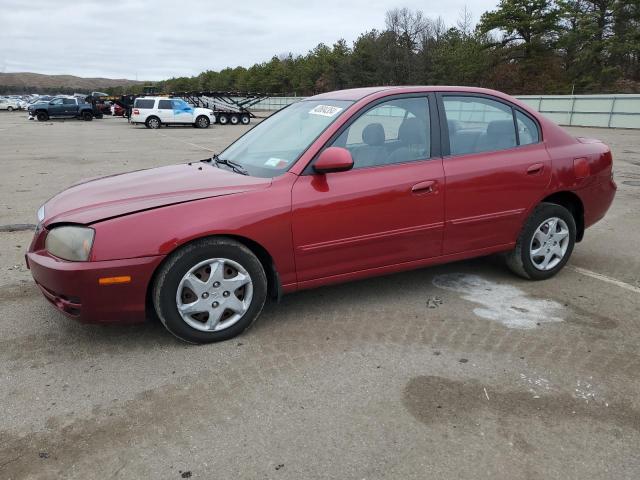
(245,119)
(223,119)
(235,119)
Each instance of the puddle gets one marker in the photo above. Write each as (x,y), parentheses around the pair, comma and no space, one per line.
(506,304)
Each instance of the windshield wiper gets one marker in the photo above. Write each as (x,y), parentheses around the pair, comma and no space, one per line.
(236,167)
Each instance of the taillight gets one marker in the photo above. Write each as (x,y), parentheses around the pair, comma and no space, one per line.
(136,111)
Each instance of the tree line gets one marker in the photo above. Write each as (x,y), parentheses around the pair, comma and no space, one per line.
(521,47)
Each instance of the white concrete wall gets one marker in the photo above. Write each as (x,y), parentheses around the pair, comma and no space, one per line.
(614,111)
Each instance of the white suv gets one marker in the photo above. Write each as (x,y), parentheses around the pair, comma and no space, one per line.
(155,111)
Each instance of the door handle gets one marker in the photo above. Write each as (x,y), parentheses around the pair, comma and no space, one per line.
(424,187)
(535,169)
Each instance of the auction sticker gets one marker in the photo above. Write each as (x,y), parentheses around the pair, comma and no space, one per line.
(324,110)
(275,162)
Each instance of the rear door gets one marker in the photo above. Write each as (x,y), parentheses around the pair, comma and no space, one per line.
(70,107)
(165,110)
(496,168)
(387,210)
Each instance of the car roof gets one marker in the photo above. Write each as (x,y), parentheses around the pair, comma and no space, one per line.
(355,94)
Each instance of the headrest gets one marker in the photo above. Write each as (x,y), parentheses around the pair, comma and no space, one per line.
(411,132)
(501,127)
(453,126)
(373,134)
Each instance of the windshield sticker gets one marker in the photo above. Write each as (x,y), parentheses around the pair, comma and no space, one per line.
(275,162)
(324,110)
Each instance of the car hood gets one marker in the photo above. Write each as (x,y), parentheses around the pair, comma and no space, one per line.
(97,199)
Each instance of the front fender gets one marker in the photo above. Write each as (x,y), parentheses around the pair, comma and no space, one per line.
(262,216)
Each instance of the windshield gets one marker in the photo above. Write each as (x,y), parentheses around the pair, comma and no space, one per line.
(273,146)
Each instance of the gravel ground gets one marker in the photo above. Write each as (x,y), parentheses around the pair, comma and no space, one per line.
(416,375)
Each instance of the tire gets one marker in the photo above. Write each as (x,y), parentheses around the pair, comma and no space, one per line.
(202,122)
(245,119)
(87,116)
(171,288)
(42,116)
(223,119)
(153,122)
(235,119)
(9,109)
(552,252)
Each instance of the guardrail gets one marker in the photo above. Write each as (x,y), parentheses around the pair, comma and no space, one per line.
(609,111)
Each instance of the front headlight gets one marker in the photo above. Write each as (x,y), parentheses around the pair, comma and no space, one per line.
(70,242)
(40,214)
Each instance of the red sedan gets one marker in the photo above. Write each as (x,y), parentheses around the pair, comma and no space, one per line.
(340,186)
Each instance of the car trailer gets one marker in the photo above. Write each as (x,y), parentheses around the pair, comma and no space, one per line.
(228,107)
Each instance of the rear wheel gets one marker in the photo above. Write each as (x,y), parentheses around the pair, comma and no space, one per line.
(87,116)
(545,243)
(153,122)
(223,119)
(9,109)
(42,116)
(245,119)
(210,290)
(235,119)
(202,122)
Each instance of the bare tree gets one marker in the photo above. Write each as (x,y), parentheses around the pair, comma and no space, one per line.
(408,25)
(465,22)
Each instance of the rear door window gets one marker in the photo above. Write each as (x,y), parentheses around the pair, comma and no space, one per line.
(69,101)
(527,129)
(478,124)
(165,105)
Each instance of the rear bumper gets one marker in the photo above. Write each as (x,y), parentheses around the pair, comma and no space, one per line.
(72,287)
(597,199)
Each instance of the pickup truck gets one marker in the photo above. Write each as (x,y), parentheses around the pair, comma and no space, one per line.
(61,107)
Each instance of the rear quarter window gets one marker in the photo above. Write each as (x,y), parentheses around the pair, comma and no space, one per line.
(141,103)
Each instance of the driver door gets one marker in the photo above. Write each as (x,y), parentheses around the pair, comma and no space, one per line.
(182,111)
(56,107)
(387,210)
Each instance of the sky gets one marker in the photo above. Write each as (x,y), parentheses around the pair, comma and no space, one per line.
(159,39)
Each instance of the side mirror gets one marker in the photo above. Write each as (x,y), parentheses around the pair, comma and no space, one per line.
(333,159)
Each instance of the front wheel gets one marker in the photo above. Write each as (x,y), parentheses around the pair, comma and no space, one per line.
(210,290)
(42,116)
(202,122)
(545,243)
